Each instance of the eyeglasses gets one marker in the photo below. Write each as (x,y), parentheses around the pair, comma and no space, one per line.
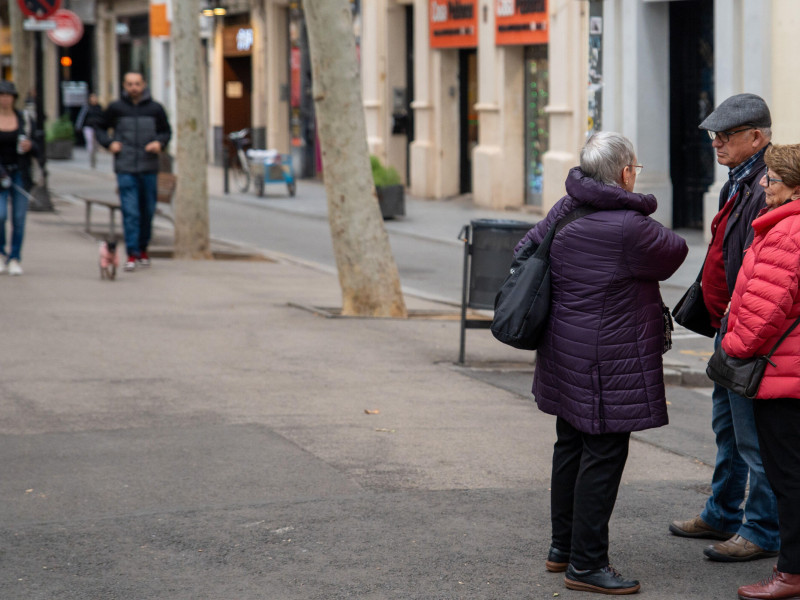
(725,136)
(770,180)
(636,168)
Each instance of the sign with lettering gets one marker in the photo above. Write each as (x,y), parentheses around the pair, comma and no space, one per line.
(521,22)
(238,40)
(453,23)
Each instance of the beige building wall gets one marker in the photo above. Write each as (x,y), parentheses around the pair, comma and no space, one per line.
(498,159)
(435,149)
(785,25)
(383,68)
(568,51)
(276,61)
(737,71)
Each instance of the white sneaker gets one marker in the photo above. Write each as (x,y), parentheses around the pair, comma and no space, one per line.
(14,268)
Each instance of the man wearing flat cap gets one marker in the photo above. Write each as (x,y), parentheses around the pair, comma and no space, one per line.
(740,130)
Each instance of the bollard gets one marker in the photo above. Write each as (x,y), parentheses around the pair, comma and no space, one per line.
(225,169)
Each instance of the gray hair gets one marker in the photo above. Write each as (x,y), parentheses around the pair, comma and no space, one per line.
(605,155)
(766,132)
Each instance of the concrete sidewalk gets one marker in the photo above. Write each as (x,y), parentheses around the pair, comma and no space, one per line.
(184,433)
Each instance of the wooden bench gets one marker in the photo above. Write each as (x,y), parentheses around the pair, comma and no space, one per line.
(166,190)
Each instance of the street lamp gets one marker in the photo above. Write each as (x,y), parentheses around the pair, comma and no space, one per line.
(214,8)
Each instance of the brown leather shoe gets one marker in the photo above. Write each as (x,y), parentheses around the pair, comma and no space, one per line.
(697,528)
(737,549)
(778,586)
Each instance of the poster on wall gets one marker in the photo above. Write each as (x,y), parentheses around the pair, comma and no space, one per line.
(521,22)
(453,23)
(595,92)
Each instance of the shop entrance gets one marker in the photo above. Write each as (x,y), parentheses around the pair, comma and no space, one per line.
(237,86)
(691,100)
(536,130)
(468,116)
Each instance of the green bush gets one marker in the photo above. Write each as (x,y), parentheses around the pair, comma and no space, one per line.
(383,176)
(61,129)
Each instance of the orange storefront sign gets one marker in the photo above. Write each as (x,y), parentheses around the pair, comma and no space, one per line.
(159,21)
(453,23)
(521,22)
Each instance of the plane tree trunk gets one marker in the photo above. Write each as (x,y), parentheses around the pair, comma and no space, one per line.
(368,274)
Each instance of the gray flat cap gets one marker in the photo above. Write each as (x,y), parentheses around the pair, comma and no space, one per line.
(8,87)
(741,109)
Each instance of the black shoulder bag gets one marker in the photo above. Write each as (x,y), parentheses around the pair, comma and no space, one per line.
(742,375)
(691,311)
(522,306)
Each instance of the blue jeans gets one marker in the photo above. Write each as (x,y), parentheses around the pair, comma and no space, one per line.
(137,197)
(19,208)
(737,456)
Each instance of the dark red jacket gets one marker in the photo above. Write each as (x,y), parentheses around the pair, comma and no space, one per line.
(766,300)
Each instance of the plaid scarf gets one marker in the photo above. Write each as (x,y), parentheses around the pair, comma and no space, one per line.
(741,172)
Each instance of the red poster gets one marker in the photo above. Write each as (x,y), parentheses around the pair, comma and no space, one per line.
(521,22)
(296,59)
(454,23)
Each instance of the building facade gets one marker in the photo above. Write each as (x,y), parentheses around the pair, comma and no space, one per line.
(493,98)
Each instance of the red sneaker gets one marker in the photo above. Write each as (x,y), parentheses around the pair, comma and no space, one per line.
(130,264)
(778,586)
(144,259)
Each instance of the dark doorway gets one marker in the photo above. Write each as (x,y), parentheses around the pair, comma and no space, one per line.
(691,100)
(237,86)
(468,116)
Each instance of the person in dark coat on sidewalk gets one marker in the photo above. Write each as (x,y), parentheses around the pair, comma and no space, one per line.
(599,367)
(141,132)
(740,130)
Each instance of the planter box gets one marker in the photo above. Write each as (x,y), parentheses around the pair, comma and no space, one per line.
(59,149)
(392,200)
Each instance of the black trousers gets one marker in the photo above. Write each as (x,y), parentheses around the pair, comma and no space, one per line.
(587,470)
(778,426)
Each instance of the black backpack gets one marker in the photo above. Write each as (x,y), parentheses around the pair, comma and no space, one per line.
(522,306)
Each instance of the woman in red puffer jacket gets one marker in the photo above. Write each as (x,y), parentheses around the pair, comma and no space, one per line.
(765,302)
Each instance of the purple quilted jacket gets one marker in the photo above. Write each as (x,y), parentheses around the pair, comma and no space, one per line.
(599,364)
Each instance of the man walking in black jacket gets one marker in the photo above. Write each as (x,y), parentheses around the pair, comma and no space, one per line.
(140,132)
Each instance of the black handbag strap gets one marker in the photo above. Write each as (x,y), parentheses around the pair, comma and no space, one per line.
(544,247)
(700,274)
(783,337)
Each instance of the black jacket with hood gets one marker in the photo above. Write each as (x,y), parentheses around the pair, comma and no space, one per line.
(135,126)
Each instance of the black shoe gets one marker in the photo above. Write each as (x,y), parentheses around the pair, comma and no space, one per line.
(603,581)
(557,560)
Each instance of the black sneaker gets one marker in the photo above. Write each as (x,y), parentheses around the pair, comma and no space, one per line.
(602,581)
(557,560)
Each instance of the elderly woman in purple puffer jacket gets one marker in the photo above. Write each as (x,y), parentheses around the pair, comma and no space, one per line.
(599,368)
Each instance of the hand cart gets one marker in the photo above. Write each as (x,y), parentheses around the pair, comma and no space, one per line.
(274,168)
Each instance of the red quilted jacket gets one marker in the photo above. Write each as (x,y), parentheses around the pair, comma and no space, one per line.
(766,300)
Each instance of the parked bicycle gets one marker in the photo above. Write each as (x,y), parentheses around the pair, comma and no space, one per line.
(240,166)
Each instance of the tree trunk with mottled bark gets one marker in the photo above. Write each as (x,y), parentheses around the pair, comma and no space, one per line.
(368,274)
(191,196)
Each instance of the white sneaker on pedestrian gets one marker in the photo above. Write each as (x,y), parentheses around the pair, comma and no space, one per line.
(14,268)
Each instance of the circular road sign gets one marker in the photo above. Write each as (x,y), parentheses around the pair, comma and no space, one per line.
(69,28)
(38,9)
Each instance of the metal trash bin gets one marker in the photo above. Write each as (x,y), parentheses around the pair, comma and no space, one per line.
(488,253)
